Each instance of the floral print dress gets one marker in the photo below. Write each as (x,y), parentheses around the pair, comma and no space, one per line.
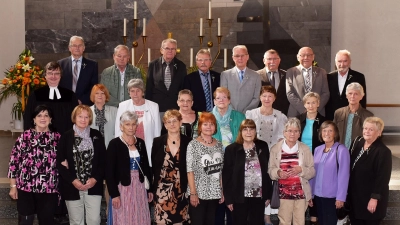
(171,204)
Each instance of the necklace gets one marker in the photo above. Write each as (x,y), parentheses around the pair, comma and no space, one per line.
(327,150)
(212,140)
(127,144)
(173,142)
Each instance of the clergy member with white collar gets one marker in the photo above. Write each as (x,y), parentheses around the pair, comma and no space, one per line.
(61,100)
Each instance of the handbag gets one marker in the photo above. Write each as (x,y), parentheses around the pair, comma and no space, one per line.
(275,201)
(146,181)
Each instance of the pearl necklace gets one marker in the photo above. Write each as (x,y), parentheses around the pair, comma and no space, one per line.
(127,144)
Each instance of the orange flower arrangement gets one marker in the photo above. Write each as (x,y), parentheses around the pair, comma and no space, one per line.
(20,80)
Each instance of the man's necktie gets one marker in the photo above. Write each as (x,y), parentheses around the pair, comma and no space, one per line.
(167,77)
(241,76)
(207,92)
(272,78)
(308,80)
(75,75)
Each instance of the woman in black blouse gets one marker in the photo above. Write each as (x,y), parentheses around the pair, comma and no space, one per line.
(80,162)
(247,185)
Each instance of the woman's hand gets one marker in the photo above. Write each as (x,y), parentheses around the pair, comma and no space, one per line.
(294,171)
(310,203)
(282,174)
(222,199)
(90,183)
(339,204)
(230,207)
(372,205)
(65,163)
(150,196)
(194,200)
(267,202)
(13,193)
(116,202)
(78,185)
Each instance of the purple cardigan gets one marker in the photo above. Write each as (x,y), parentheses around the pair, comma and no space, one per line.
(334,183)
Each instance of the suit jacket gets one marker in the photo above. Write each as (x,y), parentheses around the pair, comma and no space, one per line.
(111,78)
(88,77)
(337,100)
(118,165)
(246,95)
(193,83)
(64,152)
(340,119)
(281,102)
(155,87)
(295,89)
(234,169)
(158,155)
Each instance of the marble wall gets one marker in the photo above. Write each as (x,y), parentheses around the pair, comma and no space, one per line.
(284,25)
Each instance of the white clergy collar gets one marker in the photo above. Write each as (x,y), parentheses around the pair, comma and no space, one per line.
(51,93)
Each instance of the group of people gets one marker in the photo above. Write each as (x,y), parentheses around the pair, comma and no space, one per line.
(201,148)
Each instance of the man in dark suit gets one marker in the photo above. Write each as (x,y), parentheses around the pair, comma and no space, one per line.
(165,77)
(272,75)
(338,81)
(303,79)
(79,73)
(243,83)
(203,82)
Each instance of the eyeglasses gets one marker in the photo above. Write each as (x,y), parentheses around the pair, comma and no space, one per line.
(76,46)
(292,131)
(170,122)
(306,55)
(185,101)
(272,59)
(221,98)
(53,73)
(203,60)
(169,49)
(239,56)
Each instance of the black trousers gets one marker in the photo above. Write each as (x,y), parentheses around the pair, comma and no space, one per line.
(355,221)
(42,204)
(203,213)
(251,212)
(326,210)
(222,209)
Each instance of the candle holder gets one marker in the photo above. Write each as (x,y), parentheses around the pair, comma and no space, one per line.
(144,48)
(219,50)
(225,68)
(201,41)
(210,43)
(124,39)
(135,43)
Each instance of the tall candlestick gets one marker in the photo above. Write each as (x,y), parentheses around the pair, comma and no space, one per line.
(209,10)
(219,26)
(225,57)
(124,27)
(144,26)
(209,49)
(191,57)
(148,56)
(135,10)
(201,27)
(133,56)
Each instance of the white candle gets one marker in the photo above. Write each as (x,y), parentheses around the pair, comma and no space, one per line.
(219,26)
(201,26)
(209,10)
(135,10)
(133,56)
(124,27)
(191,57)
(209,49)
(225,58)
(148,56)
(144,26)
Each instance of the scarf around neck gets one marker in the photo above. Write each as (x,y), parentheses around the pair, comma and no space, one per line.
(225,119)
(86,142)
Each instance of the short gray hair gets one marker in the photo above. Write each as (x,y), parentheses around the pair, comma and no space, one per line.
(136,83)
(310,95)
(293,122)
(239,47)
(343,52)
(120,47)
(128,116)
(76,37)
(356,87)
(169,40)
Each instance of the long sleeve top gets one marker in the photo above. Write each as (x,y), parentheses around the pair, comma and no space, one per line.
(33,162)
(332,183)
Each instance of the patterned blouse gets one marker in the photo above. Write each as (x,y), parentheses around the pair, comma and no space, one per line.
(252,174)
(83,161)
(206,164)
(33,162)
(290,188)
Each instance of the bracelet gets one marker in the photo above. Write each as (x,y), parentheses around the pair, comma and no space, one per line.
(12,185)
(193,193)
